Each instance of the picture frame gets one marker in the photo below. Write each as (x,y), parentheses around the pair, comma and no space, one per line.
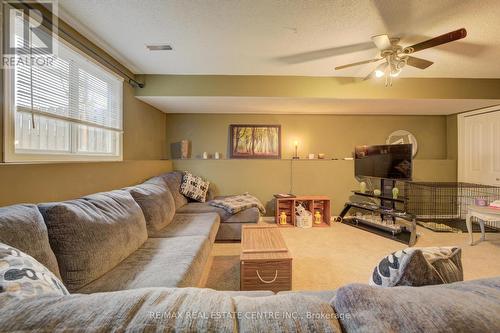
(254,141)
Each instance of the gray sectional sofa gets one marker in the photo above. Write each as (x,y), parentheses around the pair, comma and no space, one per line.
(123,239)
(230,224)
(124,254)
(148,235)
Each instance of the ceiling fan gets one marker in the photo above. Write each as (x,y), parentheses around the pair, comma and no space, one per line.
(396,57)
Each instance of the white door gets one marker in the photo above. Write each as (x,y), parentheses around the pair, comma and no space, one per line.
(479,144)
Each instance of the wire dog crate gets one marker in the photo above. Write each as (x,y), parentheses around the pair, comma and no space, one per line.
(443,206)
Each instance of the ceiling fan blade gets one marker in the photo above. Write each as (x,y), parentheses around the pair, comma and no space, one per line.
(370,76)
(358,63)
(418,62)
(439,40)
(382,42)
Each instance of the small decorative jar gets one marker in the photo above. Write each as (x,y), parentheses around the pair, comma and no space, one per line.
(362,187)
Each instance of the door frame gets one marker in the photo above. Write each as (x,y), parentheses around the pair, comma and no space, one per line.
(461,136)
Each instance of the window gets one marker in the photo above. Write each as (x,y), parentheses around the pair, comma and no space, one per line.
(70,110)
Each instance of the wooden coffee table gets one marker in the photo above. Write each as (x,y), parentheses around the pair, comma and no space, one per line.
(265,261)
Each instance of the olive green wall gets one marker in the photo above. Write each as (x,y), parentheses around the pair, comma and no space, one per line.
(144,129)
(33,183)
(143,150)
(334,135)
(452,136)
(317,87)
(263,178)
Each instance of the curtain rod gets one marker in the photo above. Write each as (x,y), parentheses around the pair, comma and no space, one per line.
(48,21)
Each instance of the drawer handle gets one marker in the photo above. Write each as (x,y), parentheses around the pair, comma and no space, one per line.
(267,281)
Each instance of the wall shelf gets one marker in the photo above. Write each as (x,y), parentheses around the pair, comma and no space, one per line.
(381,197)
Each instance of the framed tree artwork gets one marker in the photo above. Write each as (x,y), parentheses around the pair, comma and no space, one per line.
(255,141)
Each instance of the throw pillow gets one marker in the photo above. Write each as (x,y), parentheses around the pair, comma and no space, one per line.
(194,187)
(419,267)
(22,276)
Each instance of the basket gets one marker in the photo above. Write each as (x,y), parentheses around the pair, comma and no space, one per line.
(304,221)
(303,218)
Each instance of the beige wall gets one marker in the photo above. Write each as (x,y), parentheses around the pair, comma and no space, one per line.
(334,135)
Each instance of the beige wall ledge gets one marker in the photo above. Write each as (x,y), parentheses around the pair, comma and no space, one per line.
(34,183)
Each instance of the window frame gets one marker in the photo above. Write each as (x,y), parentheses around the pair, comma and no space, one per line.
(10,154)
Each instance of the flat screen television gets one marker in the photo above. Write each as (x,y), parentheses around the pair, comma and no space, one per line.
(384,161)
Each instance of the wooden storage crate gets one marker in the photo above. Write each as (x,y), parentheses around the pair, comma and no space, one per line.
(311,203)
(265,262)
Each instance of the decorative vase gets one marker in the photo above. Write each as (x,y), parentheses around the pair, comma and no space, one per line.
(362,187)
(184,149)
(283,218)
(377,192)
(318,218)
(395,193)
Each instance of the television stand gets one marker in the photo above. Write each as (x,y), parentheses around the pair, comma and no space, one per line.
(382,219)
(402,226)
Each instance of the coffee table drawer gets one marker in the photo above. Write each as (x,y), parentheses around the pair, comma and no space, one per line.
(274,275)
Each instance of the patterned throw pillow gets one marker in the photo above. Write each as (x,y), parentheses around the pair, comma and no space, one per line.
(194,187)
(419,267)
(22,276)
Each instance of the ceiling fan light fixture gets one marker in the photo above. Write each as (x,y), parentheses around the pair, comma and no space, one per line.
(380,70)
(395,72)
(379,73)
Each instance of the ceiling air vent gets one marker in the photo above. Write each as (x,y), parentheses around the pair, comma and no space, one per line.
(159,47)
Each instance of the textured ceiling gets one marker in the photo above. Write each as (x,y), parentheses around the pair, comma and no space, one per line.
(283,105)
(264,37)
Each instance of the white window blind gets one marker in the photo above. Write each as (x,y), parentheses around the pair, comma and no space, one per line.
(70,108)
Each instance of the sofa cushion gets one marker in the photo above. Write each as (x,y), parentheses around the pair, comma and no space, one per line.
(22,227)
(419,267)
(471,306)
(285,313)
(140,310)
(194,187)
(229,231)
(173,181)
(205,224)
(250,215)
(93,234)
(324,295)
(22,276)
(160,262)
(157,204)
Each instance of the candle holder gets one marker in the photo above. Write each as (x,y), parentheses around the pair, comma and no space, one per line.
(296,156)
